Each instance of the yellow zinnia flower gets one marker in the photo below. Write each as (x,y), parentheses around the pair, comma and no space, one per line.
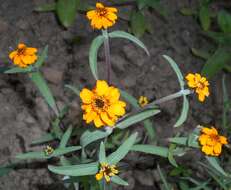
(200,84)
(23,56)
(106,171)
(48,150)
(102,17)
(211,141)
(143,101)
(102,104)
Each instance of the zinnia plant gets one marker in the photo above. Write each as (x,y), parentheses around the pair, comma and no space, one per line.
(89,157)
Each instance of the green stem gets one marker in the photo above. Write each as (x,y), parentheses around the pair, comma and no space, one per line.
(170,97)
(107,54)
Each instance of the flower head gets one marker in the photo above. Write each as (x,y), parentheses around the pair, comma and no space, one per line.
(211,141)
(102,17)
(48,150)
(106,171)
(200,84)
(102,104)
(143,101)
(23,56)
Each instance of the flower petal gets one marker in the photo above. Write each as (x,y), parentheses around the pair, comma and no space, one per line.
(101,87)
(98,122)
(99,176)
(86,96)
(104,116)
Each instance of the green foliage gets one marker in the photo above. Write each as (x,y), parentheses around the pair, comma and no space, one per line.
(125,35)
(205,18)
(130,120)
(76,170)
(138,23)
(89,137)
(151,149)
(41,155)
(216,62)
(96,43)
(117,180)
(185,108)
(224,21)
(66,11)
(41,84)
(122,151)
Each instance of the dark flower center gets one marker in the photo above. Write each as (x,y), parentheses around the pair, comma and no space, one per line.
(99,103)
(201,85)
(215,138)
(107,170)
(101,11)
(21,51)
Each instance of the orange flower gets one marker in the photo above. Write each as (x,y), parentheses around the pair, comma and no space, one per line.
(102,17)
(200,84)
(211,141)
(23,56)
(106,171)
(102,104)
(143,101)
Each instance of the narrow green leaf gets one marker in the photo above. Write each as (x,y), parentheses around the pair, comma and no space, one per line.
(138,23)
(122,151)
(224,21)
(128,121)
(171,159)
(219,37)
(176,70)
(163,179)
(184,113)
(66,136)
(217,62)
(148,125)
(179,140)
(185,108)
(204,17)
(117,180)
(186,11)
(74,89)
(42,58)
(93,53)
(151,149)
(18,70)
(215,164)
(89,137)
(122,34)
(56,130)
(41,84)
(102,153)
(42,155)
(46,7)
(45,138)
(76,170)
(5,170)
(200,53)
(66,11)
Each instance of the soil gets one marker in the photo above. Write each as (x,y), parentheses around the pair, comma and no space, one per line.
(24,116)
